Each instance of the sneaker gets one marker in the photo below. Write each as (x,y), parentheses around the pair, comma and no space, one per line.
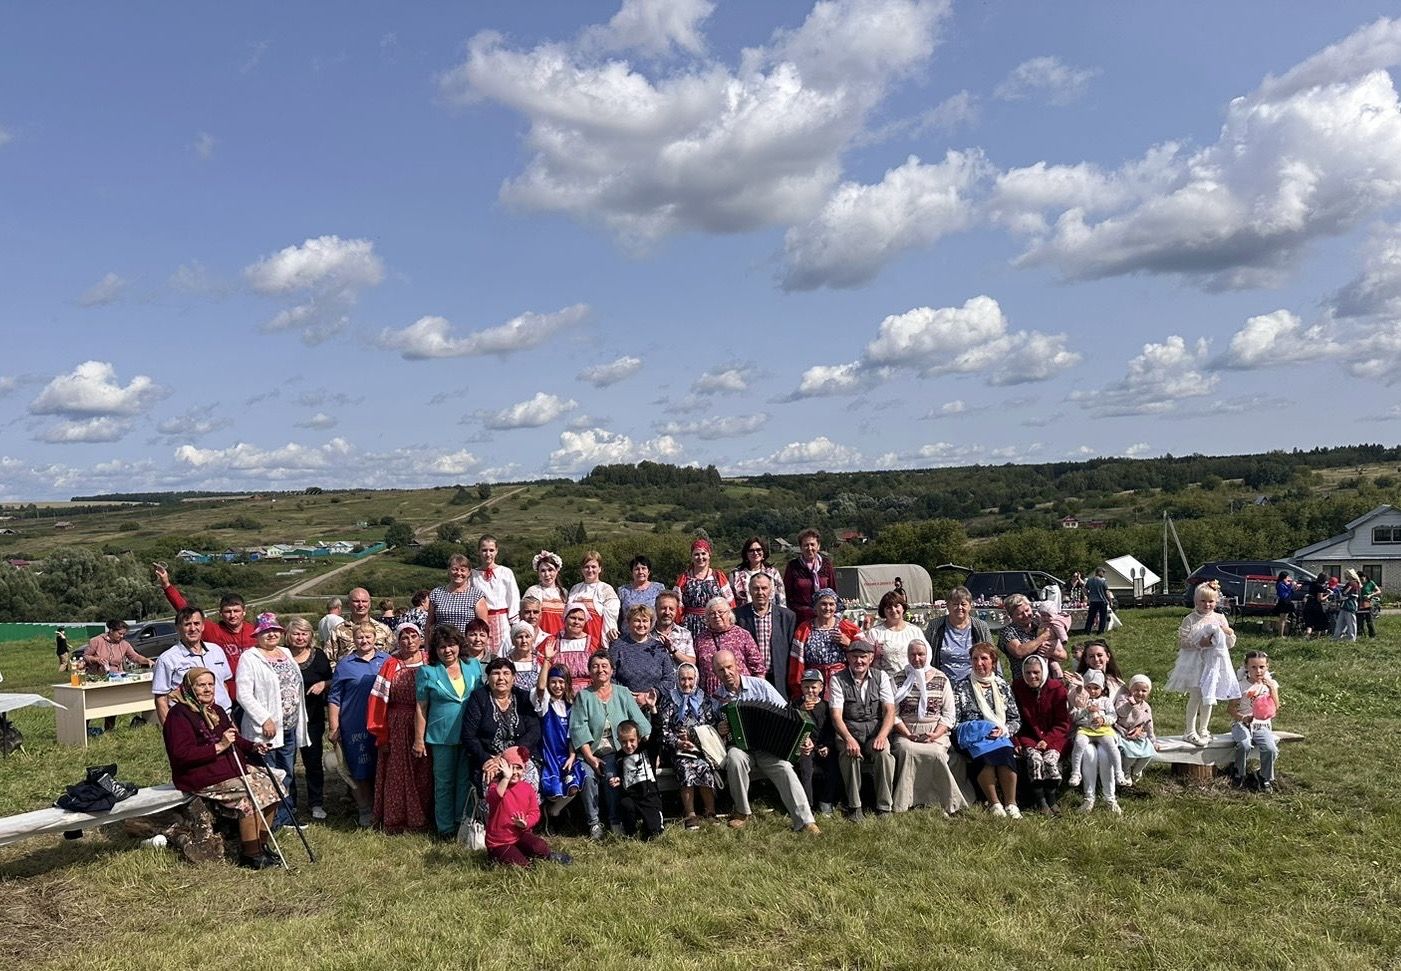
(1123,780)
(1074,780)
(997,810)
(692,823)
(595,831)
(1114,807)
(318,813)
(738,822)
(1267,787)
(563,859)
(1201,741)
(1088,806)
(1014,811)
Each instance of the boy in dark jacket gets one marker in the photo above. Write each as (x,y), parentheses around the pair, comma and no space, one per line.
(819,750)
(640,803)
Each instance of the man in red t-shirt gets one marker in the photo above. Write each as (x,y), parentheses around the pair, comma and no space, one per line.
(230,633)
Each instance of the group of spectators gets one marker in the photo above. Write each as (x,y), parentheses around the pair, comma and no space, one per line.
(582,694)
(1351,598)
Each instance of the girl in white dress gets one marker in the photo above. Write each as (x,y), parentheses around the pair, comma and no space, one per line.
(1203,668)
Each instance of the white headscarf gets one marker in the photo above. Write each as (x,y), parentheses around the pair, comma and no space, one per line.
(916,678)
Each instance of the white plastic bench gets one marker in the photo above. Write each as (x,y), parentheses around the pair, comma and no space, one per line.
(1219,752)
(145,802)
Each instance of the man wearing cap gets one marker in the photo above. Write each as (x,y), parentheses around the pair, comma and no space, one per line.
(863,712)
(343,638)
(732,685)
(771,626)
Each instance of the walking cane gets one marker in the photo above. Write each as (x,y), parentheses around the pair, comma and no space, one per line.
(286,804)
(257,810)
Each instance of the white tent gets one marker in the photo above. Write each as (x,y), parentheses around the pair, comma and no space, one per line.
(868,584)
(1120,571)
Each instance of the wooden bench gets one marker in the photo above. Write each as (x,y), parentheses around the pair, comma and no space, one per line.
(154,799)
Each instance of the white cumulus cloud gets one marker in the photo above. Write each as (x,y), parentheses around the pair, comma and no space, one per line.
(103,292)
(1045,77)
(431,337)
(532,413)
(1158,378)
(716,427)
(973,338)
(603,375)
(103,429)
(653,27)
(319,422)
(92,390)
(819,454)
(326,274)
(863,227)
(727,379)
(1307,155)
(697,144)
(580,451)
(1274,339)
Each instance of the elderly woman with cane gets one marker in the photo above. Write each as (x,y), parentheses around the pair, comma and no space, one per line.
(203,745)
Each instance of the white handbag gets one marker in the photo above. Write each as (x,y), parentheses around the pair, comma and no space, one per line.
(472,832)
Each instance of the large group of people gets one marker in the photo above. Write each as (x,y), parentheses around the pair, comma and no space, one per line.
(583,695)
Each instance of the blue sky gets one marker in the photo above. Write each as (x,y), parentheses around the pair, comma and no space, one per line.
(268,246)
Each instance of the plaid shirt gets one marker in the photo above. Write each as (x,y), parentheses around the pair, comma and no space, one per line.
(763,635)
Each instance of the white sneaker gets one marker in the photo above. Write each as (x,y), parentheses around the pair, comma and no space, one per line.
(997,810)
(317,812)
(1124,781)
(1201,741)
(1074,780)
(1114,807)
(1014,812)
(1088,806)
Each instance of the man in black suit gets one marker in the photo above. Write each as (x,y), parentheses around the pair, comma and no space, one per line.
(772,627)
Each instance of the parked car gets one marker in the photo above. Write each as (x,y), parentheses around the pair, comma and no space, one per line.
(1249,584)
(985,585)
(153,639)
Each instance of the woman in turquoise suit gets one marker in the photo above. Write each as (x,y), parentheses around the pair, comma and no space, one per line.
(442,687)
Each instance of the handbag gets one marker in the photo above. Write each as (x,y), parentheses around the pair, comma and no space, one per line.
(472,832)
(972,737)
(711,745)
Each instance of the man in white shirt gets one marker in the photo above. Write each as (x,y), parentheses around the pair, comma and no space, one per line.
(326,628)
(192,651)
(862,704)
(733,686)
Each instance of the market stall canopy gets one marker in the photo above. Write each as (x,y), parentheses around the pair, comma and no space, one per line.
(1120,571)
(868,584)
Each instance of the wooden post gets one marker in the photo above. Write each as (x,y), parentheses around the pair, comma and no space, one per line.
(1194,775)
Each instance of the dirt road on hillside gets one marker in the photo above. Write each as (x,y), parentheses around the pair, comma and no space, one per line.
(306,588)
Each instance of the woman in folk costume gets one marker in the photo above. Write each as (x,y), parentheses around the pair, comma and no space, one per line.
(699,585)
(503,595)
(403,779)
(820,644)
(560,777)
(599,599)
(548,591)
(1204,669)
(925,712)
(1045,730)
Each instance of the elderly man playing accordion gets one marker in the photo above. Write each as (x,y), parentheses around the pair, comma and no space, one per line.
(731,685)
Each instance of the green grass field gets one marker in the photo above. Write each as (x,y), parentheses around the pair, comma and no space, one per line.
(1187,878)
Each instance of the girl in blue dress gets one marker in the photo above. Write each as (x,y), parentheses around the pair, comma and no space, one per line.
(559,772)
